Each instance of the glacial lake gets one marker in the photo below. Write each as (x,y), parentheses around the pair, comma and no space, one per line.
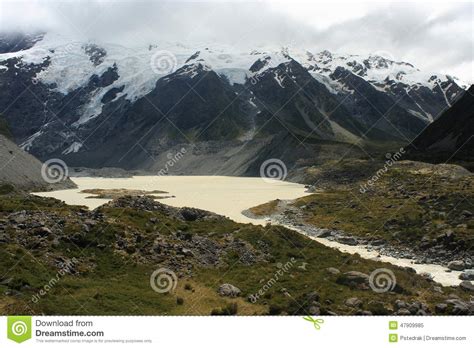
(228,196)
(223,195)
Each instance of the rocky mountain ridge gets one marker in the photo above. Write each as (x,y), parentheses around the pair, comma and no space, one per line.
(97,105)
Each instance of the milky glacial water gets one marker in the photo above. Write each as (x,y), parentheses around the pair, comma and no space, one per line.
(224,195)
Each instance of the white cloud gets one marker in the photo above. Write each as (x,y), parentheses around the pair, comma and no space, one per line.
(432,35)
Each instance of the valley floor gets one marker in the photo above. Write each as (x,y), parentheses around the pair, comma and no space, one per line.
(61,259)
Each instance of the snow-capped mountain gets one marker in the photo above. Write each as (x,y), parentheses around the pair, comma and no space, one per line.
(96,104)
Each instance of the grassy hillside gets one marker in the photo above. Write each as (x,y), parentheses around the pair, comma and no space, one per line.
(111,253)
(413,205)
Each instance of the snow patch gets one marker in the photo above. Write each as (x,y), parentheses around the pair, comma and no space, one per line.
(75,147)
(28,143)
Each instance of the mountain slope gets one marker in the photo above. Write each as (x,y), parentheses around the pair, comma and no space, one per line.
(98,104)
(22,170)
(450,137)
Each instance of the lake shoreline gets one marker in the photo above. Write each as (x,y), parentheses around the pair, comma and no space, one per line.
(232,197)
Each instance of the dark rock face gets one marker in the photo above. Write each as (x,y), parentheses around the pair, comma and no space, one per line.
(17,41)
(450,136)
(289,97)
(96,53)
(378,111)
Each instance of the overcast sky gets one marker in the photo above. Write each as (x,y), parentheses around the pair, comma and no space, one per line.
(436,36)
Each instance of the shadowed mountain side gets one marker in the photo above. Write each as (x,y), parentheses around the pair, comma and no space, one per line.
(450,137)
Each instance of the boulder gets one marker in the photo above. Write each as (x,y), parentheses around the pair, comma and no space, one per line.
(324,233)
(467,286)
(400,304)
(457,307)
(228,290)
(312,296)
(440,308)
(403,311)
(467,275)
(333,270)
(353,302)
(457,265)
(353,278)
(314,310)
(42,232)
(347,240)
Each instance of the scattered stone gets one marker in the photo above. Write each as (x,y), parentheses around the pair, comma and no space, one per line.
(400,304)
(42,232)
(467,275)
(325,233)
(353,302)
(333,270)
(458,307)
(403,311)
(377,242)
(312,296)
(426,276)
(314,310)
(441,308)
(466,213)
(360,312)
